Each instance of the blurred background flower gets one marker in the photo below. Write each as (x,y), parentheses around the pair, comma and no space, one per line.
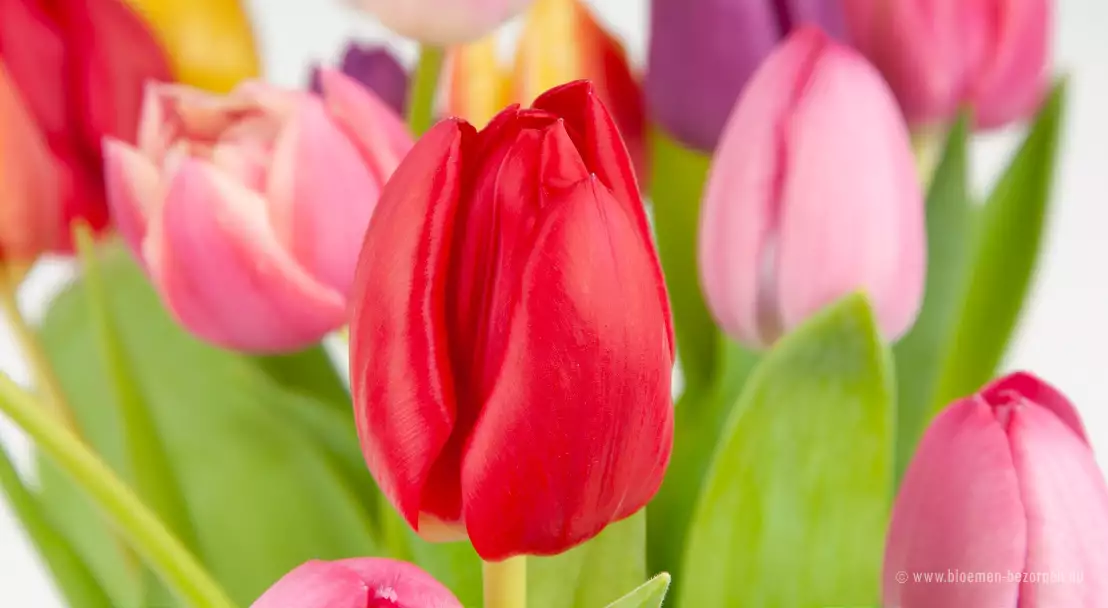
(375,68)
(442,22)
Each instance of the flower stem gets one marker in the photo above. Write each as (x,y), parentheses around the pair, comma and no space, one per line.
(45,380)
(506,583)
(132,519)
(421,96)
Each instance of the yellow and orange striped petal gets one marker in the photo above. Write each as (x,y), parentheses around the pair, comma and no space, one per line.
(478,86)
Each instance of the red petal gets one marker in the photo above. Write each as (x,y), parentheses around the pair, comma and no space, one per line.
(401,383)
(33,52)
(578,430)
(595,133)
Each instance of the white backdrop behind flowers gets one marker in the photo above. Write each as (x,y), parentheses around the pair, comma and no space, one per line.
(1064,334)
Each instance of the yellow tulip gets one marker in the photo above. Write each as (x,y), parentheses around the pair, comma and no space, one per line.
(210,43)
(479,86)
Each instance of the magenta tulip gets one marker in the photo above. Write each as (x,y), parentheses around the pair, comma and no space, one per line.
(813,195)
(1003,505)
(938,55)
(357,583)
(248,211)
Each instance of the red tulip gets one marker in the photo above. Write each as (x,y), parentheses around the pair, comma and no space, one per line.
(510,341)
(364,582)
(1003,505)
(81,66)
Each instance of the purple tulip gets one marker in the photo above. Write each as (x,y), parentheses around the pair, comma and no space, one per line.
(376,69)
(702,52)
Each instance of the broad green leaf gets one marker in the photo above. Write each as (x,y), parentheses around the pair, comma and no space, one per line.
(650,594)
(1003,263)
(919,353)
(795,504)
(677,183)
(264,494)
(72,576)
(593,574)
(310,373)
(700,416)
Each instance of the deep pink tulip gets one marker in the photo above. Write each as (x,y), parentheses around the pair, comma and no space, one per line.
(1003,484)
(248,211)
(938,55)
(365,582)
(813,194)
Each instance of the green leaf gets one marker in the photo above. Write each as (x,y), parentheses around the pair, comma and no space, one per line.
(593,574)
(650,594)
(264,494)
(919,353)
(310,373)
(1011,230)
(795,505)
(72,576)
(678,181)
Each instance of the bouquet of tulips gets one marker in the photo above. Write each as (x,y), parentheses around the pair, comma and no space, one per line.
(540,328)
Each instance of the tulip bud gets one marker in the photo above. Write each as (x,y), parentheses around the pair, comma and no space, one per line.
(812,195)
(29,206)
(703,52)
(248,211)
(377,70)
(79,68)
(363,582)
(990,55)
(1002,505)
(510,339)
(442,22)
(210,43)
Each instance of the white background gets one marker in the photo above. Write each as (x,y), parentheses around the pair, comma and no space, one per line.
(1065,330)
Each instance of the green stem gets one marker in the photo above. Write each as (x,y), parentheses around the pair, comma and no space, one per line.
(505,583)
(421,96)
(133,520)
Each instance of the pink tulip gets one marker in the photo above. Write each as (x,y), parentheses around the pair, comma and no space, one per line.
(248,211)
(813,194)
(365,582)
(442,22)
(938,55)
(1005,502)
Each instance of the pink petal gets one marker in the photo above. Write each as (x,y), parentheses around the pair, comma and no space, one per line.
(379,133)
(223,273)
(321,195)
(1027,387)
(851,205)
(1013,83)
(317,584)
(133,189)
(959,509)
(401,583)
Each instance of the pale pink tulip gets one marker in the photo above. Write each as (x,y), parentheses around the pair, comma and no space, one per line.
(365,582)
(248,211)
(1005,502)
(442,22)
(940,55)
(813,194)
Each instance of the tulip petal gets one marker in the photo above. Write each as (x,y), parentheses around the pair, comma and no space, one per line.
(1029,388)
(34,54)
(30,212)
(862,228)
(959,510)
(1066,500)
(316,584)
(401,583)
(401,384)
(133,188)
(223,273)
(321,195)
(1017,77)
(577,431)
(593,130)
(380,135)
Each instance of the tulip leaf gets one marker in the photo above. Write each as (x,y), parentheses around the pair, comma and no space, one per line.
(309,373)
(1010,233)
(650,594)
(593,574)
(264,494)
(795,504)
(919,353)
(74,578)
